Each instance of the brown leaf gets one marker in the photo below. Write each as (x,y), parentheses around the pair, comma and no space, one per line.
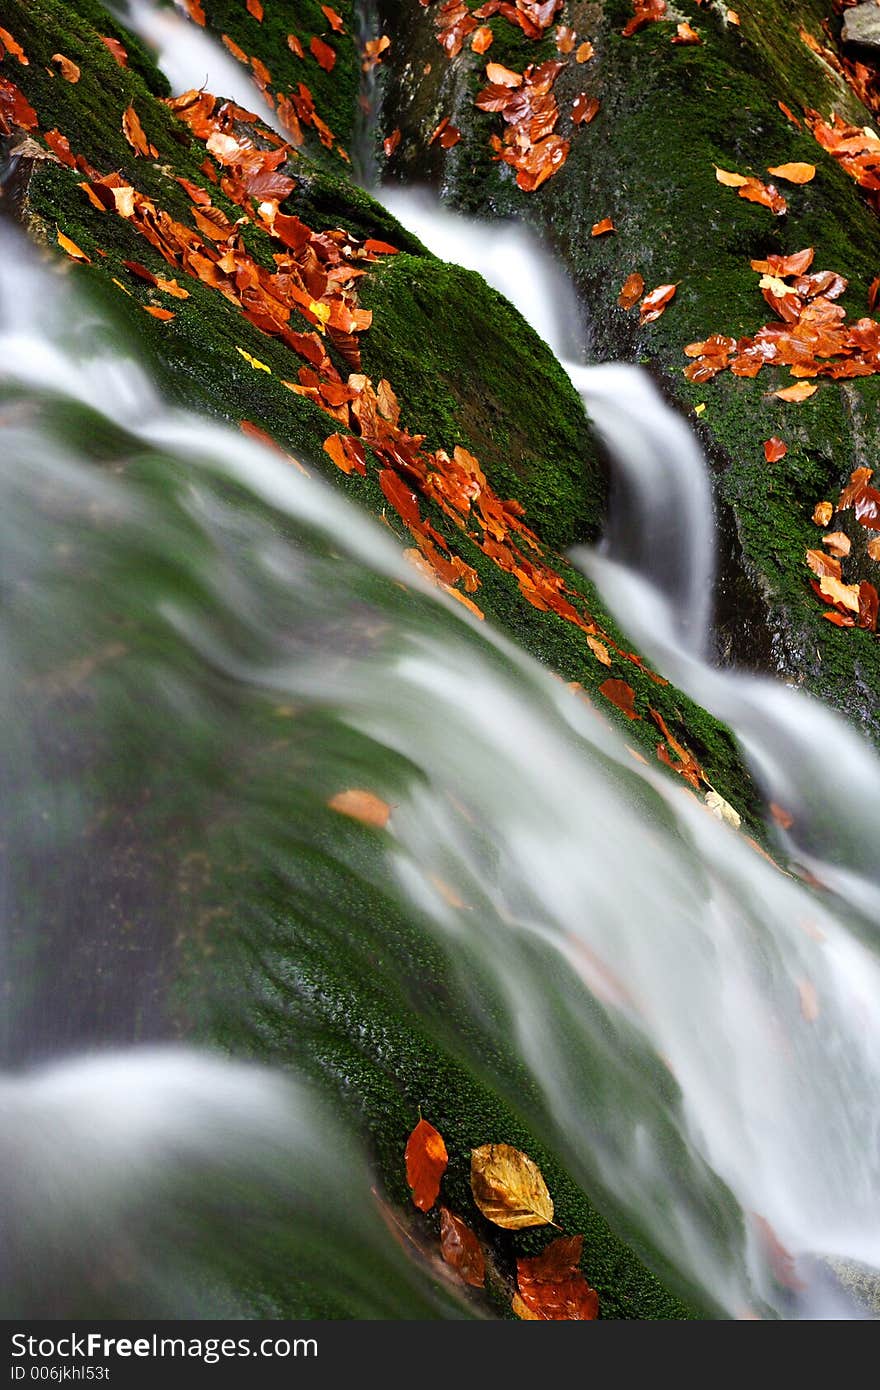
(552,1286)
(631,291)
(333,19)
(565,38)
(361,805)
(783,818)
(584,109)
(449,137)
(822,513)
(794,173)
(523,1310)
(599,650)
(621,695)
(874,549)
(584,52)
(774,449)
(461,1249)
(69,71)
(426,1162)
(390,143)
(115,47)
(134,133)
(822,564)
(157,313)
(481,40)
(508,1187)
(600,228)
(685,34)
(801,391)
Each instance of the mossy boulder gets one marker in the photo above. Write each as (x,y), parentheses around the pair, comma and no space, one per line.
(668,114)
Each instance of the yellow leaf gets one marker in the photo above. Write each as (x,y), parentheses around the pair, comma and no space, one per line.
(845,594)
(801,391)
(599,650)
(361,805)
(321,313)
(775,285)
(794,173)
(508,1188)
(257,365)
(698,409)
(729,180)
(72,249)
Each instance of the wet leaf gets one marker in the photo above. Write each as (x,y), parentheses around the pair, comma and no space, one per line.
(874,549)
(566,39)
(134,133)
(449,137)
(501,76)
(10,45)
(846,595)
(621,695)
(685,34)
(481,40)
(72,249)
(347,453)
(426,1162)
(584,52)
(552,1287)
(323,54)
(391,142)
(115,47)
(822,564)
(774,449)
(722,809)
(631,291)
(784,819)
(600,228)
(523,1310)
(599,650)
(822,513)
(801,391)
(157,313)
(584,109)
(333,19)
(461,1249)
(838,543)
(69,71)
(729,180)
(654,303)
(253,361)
(794,173)
(361,805)
(509,1188)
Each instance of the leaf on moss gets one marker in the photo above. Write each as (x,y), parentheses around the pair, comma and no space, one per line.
(426,1162)
(509,1188)
(461,1249)
(361,805)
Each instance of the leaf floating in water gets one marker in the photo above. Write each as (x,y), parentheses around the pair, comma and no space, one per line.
(509,1188)
(461,1249)
(361,805)
(426,1162)
(552,1287)
(621,695)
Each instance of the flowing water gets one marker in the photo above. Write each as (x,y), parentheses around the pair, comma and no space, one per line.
(198,645)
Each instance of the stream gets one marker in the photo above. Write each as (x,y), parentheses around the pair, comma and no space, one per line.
(198,642)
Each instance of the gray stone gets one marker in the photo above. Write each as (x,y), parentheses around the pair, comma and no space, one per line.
(862,25)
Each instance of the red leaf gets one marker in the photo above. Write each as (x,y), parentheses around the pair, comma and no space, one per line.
(654,303)
(774,449)
(621,695)
(461,1249)
(551,1286)
(426,1161)
(323,53)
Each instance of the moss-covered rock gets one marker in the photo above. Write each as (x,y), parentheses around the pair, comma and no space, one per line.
(668,114)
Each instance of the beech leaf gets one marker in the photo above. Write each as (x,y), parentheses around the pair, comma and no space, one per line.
(509,1188)
(361,805)
(426,1162)
(552,1287)
(794,173)
(461,1249)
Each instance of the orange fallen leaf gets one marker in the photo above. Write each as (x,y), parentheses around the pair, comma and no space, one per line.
(584,53)
(333,19)
(631,291)
(621,695)
(794,173)
(728,179)
(256,9)
(685,34)
(426,1162)
(11,45)
(732,17)
(552,1287)
(800,391)
(774,449)
(654,303)
(157,313)
(782,817)
(72,249)
(822,564)
(390,143)
(69,71)
(599,650)
(873,292)
(822,513)
(501,76)
(481,39)
(566,39)
(115,47)
(323,54)
(838,542)
(134,133)
(600,228)
(361,805)
(847,595)
(347,453)
(295,46)
(461,1249)
(449,137)
(874,549)
(584,109)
